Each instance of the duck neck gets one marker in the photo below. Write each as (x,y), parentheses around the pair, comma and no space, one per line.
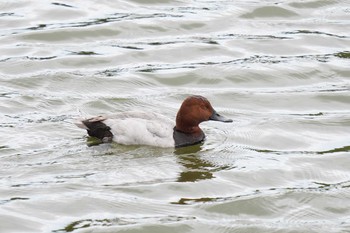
(187,127)
(187,122)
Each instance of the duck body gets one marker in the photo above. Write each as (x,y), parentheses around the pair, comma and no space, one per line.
(153,129)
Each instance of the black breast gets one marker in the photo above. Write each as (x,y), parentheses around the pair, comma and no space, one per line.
(183,139)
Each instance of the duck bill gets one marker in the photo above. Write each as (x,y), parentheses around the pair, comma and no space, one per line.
(217,117)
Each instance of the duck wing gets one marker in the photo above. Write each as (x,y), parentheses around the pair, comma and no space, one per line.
(141,128)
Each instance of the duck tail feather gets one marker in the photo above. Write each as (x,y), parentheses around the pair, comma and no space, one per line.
(85,123)
(80,124)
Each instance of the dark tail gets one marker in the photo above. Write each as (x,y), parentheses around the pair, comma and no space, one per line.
(97,129)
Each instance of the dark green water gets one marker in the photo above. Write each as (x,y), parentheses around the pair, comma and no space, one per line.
(279,69)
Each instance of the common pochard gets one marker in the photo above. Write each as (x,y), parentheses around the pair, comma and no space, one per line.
(148,128)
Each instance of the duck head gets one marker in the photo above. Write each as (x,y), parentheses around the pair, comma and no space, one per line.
(193,111)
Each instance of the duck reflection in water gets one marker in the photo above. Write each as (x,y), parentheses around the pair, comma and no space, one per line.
(195,168)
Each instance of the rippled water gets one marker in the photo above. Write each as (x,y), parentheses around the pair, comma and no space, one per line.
(280,69)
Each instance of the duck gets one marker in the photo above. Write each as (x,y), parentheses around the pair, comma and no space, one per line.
(153,129)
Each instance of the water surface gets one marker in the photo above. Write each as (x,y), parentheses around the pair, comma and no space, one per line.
(279,69)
